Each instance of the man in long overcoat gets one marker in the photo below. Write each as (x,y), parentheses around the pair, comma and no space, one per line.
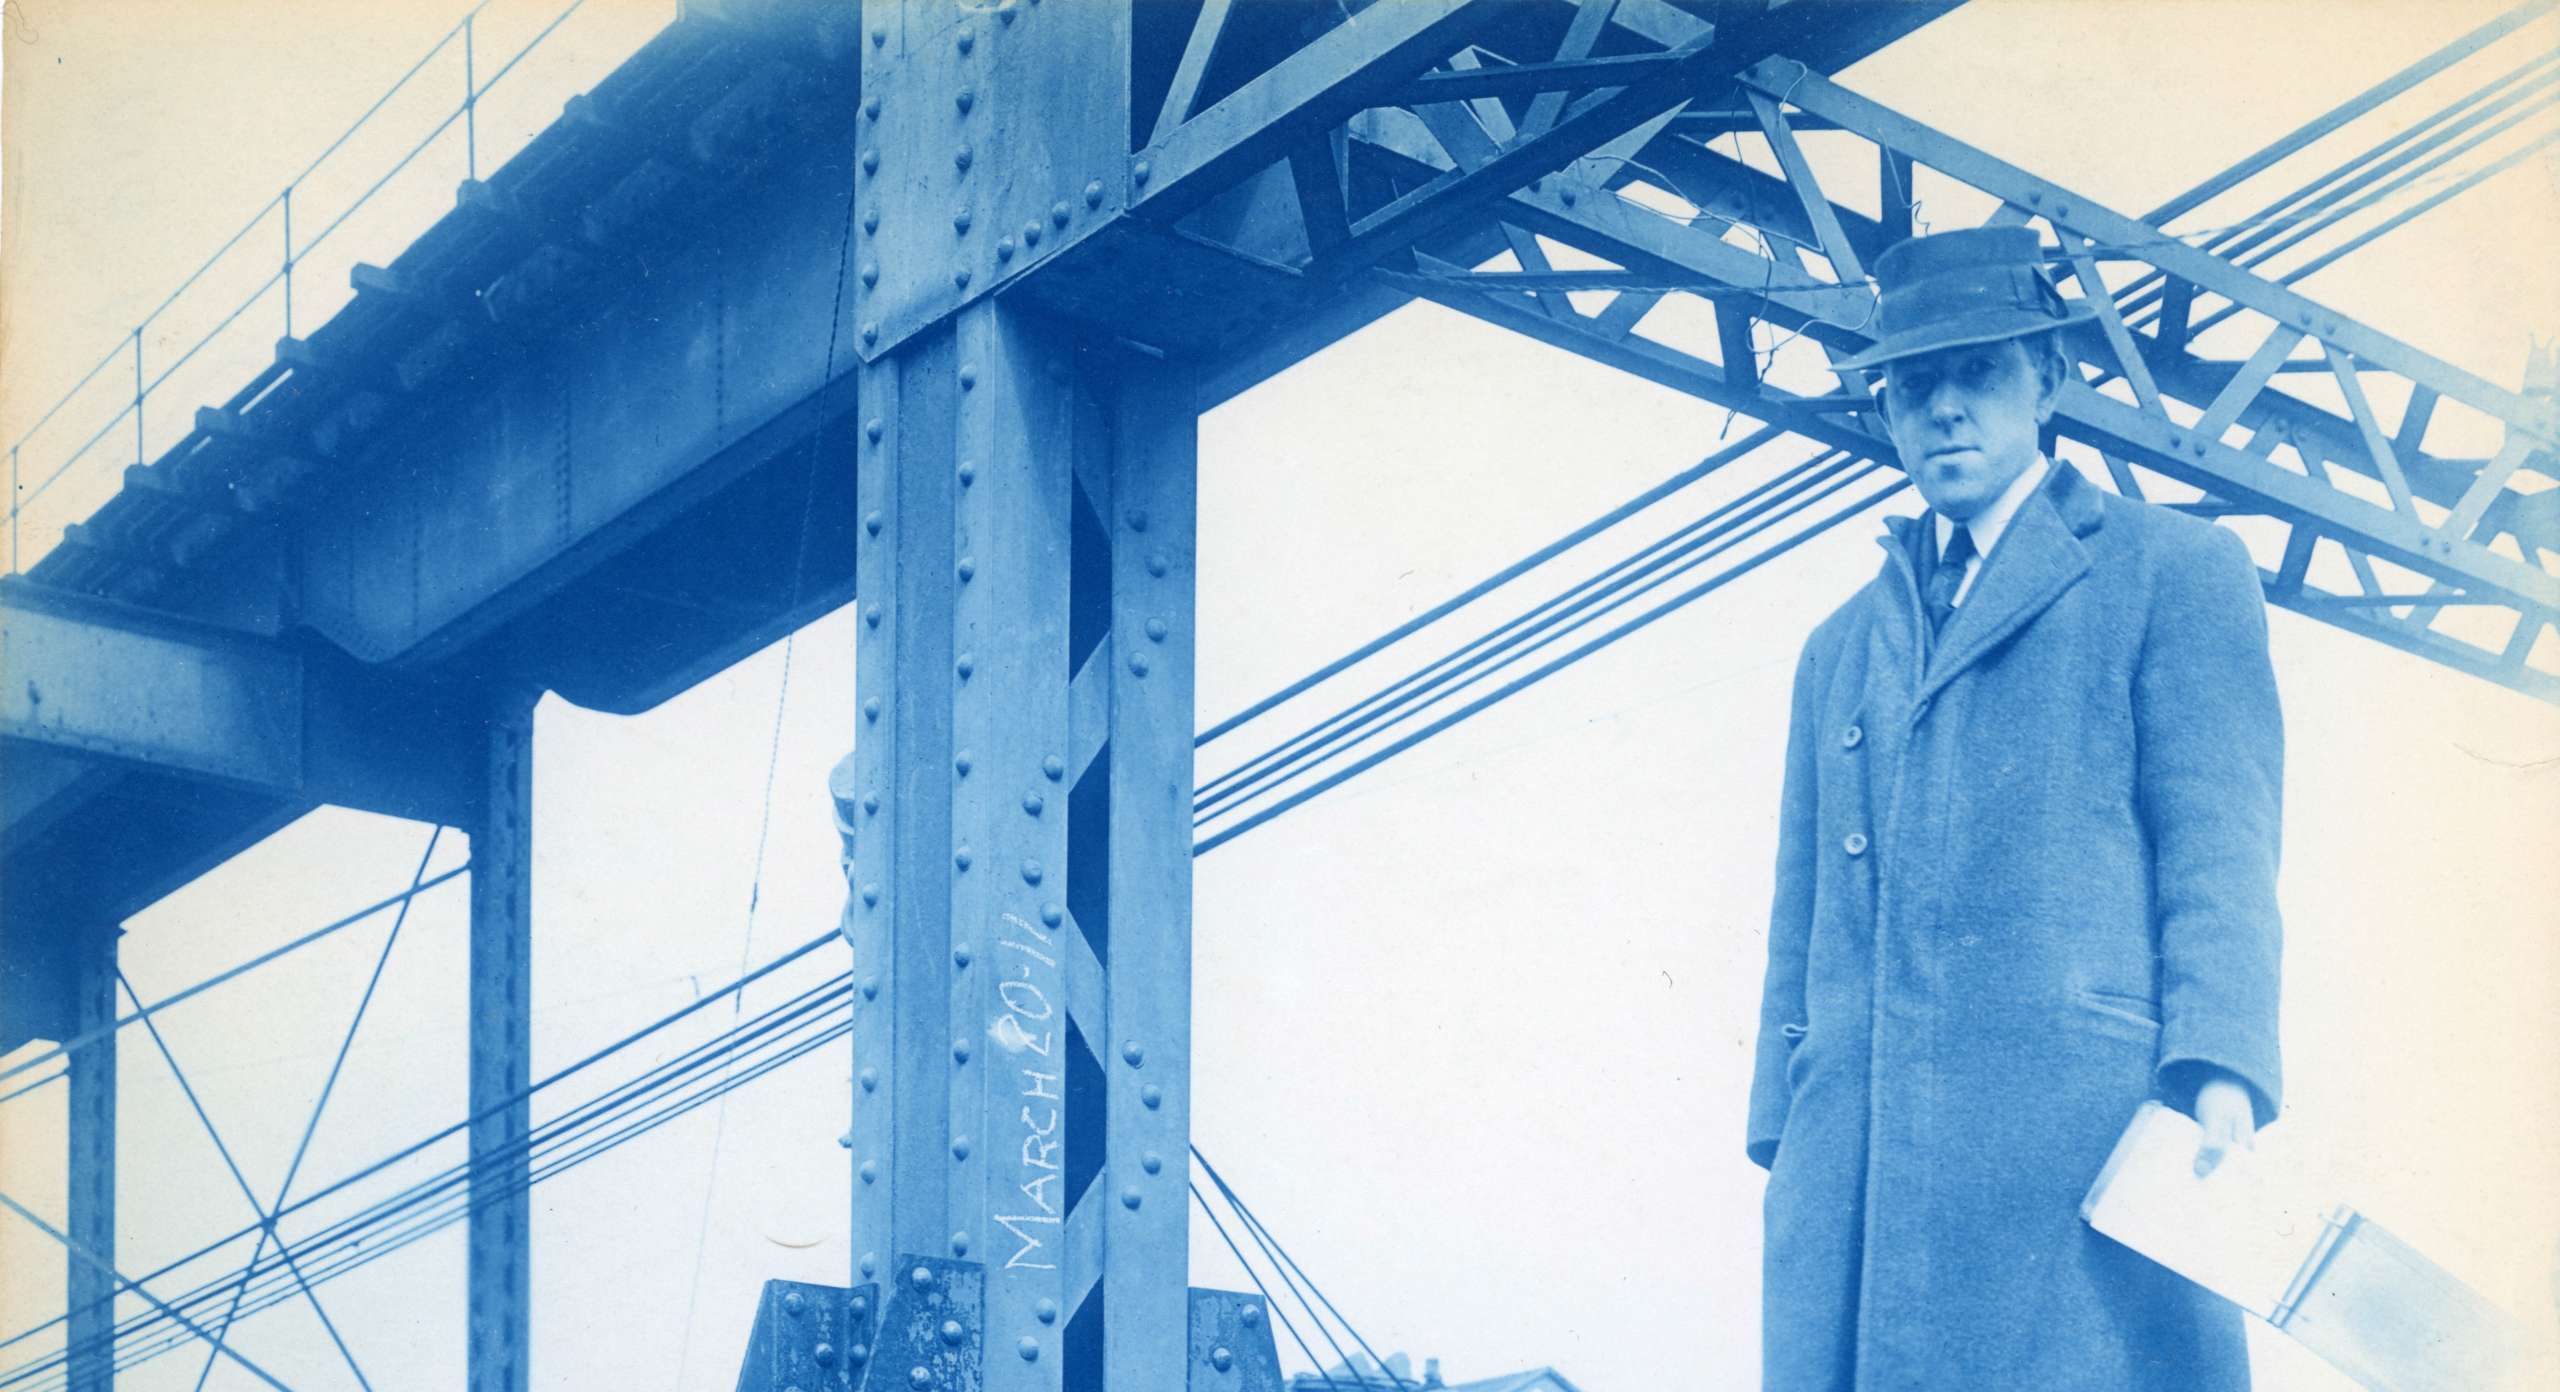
(2026,880)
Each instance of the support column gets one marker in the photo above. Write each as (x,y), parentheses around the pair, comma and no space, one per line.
(1023,785)
(92,1169)
(499,1253)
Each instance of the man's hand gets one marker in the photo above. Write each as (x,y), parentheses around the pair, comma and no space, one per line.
(2222,1109)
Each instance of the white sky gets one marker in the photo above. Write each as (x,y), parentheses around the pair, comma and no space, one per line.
(1472,1033)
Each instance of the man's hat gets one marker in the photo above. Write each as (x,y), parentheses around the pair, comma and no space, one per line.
(1978,285)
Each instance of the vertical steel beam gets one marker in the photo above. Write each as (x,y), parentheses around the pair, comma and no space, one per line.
(92,1168)
(1154,479)
(1021,909)
(499,1255)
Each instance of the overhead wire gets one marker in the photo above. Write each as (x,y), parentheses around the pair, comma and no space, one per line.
(1264,1237)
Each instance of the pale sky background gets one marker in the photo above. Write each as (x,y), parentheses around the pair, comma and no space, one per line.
(1471,1033)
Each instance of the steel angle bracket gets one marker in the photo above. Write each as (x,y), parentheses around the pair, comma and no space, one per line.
(810,1338)
(1231,1346)
(933,1329)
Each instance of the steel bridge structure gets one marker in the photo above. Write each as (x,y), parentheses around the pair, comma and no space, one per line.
(914,305)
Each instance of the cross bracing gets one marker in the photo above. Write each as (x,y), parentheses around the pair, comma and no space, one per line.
(1275,177)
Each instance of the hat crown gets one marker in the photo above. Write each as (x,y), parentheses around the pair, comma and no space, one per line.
(1919,258)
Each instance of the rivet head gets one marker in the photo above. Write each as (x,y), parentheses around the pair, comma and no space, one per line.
(1058,212)
(795,1305)
(1152,1163)
(961,157)
(962,762)
(965,98)
(870,220)
(871,708)
(1031,872)
(1157,565)
(871,107)
(1141,171)
(921,1278)
(871,1080)
(961,857)
(968,567)
(1054,768)
(1568,193)
(871,804)
(1152,1096)
(1250,1314)
(1855,843)
(960,1148)
(1004,248)
(1156,630)
(1138,663)
(859,1354)
(1852,737)
(1046,1311)
(871,988)
(1137,519)
(1221,1358)
(845,1140)
(871,616)
(1093,194)
(1130,1197)
(920,1377)
(1032,803)
(966,665)
(1051,915)
(960,955)
(861,1310)
(1031,234)
(960,1051)
(871,429)
(960,219)
(952,1333)
(966,39)
(1133,1054)
(968,376)
(871,161)
(870,894)
(870,1262)
(960,278)
(1029,1348)
(879,35)
(872,522)
(825,1354)
(870,1175)
(968,473)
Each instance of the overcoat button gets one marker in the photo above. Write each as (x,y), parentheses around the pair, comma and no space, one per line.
(1856,844)
(1852,737)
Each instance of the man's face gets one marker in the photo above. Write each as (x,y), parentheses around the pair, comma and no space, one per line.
(1965,420)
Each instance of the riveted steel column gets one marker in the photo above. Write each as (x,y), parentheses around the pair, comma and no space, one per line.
(92,1168)
(499,1256)
(1147,989)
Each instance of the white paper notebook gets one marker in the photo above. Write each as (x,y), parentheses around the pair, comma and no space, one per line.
(2236,1232)
(2341,1285)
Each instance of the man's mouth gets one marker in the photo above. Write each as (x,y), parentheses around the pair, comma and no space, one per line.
(1944,450)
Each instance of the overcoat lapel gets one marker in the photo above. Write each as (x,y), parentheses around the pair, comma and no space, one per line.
(2038,558)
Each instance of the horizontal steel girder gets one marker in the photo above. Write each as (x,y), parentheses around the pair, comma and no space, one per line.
(92,684)
(2230,434)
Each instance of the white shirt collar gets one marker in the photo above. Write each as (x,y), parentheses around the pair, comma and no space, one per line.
(1988,524)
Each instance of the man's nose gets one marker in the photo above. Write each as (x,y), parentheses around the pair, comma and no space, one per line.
(1946,404)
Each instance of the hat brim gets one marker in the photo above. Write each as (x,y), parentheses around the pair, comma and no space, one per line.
(1963,331)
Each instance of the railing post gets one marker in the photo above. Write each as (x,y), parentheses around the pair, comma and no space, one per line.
(470,103)
(138,456)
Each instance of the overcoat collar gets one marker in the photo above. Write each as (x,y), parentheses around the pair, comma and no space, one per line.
(2039,557)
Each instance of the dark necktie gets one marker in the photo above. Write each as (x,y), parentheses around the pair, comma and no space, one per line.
(1948,577)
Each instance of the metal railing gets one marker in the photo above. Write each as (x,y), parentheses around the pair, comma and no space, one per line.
(37,465)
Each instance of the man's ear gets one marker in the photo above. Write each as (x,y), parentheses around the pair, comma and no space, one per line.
(2051,370)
